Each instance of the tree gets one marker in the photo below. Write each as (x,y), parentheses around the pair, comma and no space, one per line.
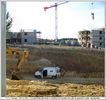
(9,34)
(9,21)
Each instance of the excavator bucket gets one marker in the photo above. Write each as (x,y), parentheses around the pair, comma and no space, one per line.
(16,76)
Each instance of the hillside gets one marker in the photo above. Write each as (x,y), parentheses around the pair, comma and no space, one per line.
(71,59)
(84,72)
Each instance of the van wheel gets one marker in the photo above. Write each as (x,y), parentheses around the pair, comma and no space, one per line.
(39,76)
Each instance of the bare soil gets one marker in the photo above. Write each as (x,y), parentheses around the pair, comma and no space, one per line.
(35,88)
(84,72)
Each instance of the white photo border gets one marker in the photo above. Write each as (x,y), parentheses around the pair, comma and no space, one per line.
(3,41)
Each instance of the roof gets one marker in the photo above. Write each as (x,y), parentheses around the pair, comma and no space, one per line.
(28,30)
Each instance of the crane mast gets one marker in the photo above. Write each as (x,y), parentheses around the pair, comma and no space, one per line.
(56,22)
(56,16)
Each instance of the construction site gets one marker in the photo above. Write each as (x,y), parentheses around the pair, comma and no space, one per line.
(83,72)
(54,70)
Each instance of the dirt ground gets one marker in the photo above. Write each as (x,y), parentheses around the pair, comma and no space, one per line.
(36,88)
(69,58)
(64,86)
(64,79)
(89,83)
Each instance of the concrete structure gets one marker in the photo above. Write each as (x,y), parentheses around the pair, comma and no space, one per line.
(93,38)
(2,46)
(23,37)
(28,36)
(68,41)
(9,36)
(84,37)
(98,37)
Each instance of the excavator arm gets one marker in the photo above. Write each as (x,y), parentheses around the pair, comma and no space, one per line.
(22,55)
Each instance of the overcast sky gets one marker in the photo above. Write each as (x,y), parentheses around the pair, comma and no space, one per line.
(72,17)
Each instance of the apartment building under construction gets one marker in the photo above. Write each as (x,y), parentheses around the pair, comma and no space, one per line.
(93,38)
(84,37)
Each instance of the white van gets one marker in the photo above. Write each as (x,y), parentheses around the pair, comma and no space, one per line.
(48,72)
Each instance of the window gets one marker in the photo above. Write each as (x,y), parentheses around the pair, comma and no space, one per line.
(25,33)
(51,70)
(88,32)
(100,32)
(100,44)
(25,40)
(100,38)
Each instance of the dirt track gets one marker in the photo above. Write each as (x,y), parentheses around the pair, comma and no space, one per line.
(64,79)
(64,86)
(67,79)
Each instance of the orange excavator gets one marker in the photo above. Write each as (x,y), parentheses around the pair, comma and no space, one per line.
(22,55)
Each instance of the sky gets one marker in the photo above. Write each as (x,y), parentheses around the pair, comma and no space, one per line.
(72,17)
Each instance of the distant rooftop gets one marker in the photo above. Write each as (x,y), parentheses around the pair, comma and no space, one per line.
(86,30)
(98,29)
(28,30)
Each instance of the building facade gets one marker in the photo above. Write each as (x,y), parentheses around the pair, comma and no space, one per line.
(28,36)
(98,37)
(23,37)
(84,37)
(9,36)
(69,41)
(93,38)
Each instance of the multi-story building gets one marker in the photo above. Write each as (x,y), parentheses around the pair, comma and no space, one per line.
(93,38)
(28,36)
(68,41)
(84,37)
(98,37)
(24,37)
(9,36)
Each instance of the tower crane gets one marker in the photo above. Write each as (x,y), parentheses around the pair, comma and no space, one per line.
(92,13)
(56,16)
